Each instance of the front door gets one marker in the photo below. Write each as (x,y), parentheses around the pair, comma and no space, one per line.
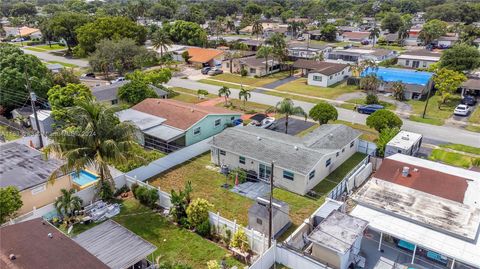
(415,64)
(264,172)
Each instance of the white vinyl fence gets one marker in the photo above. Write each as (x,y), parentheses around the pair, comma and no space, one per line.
(357,174)
(289,258)
(367,147)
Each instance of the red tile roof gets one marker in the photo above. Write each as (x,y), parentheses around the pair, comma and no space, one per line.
(200,55)
(178,114)
(427,180)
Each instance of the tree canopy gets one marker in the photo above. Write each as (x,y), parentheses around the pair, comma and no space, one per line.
(432,30)
(10,202)
(460,57)
(382,119)
(136,91)
(63,25)
(186,33)
(61,98)
(392,22)
(323,112)
(447,82)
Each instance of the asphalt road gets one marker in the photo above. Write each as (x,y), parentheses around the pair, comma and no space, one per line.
(439,134)
(47,57)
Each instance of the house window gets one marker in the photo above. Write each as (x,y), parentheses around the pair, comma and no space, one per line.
(259,221)
(352,144)
(343,72)
(218,122)
(222,152)
(311,175)
(331,77)
(232,118)
(114,102)
(196,131)
(317,78)
(328,162)
(39,189)
(228,65)
(264,171)
(253,70)
(241,160)
(343,150)
(424,64)
(407,62)
(287,175)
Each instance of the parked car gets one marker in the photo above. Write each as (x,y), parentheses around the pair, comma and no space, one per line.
(119,79)
(88,75)
(215,71)
(365,42)
(300,38)
(461,110)
(18,39)
(205,70)
(469,100)
(369,109)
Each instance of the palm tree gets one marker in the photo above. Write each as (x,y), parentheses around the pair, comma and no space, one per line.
(67,203)
(94,139)
(287,107)
(398,90)
(224,91)
(229,24)
(265,52)
(279,46)
(245,95)
(232,55)
(403,33)
(219,26)
(374,34)
(161,40)
(319,57)
(257,27)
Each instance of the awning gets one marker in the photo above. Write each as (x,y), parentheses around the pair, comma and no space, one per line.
(165,133)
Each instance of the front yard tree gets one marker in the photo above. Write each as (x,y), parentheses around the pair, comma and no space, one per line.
(63,25)
(265,52)
(186,33)
(460,57)
(94,139)
(225,92)
(370,83)
(136,91)
(392,22)
(287,107)
(64,77)
(382,119)
(257,27)
(279,46)
(68,203)
(329,32)
(374,34)
(323,112)
(161,40)
(432,30)
(385,136)
(61,98)
(398,90)
(10,202)
(447,82)
(244,95)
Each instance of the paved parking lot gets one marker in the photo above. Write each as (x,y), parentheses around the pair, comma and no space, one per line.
(295,126)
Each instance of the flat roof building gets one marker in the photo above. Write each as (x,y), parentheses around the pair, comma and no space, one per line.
(404,142)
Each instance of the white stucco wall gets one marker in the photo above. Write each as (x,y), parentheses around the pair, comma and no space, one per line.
(409,63)
(328,80)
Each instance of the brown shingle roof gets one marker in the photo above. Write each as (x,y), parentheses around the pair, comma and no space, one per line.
(200,55)
(422,52)
(356,35)
(427,180)
(32,247)
(178,114)
(324,68)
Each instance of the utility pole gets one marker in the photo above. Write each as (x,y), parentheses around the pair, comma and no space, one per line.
(270,211)
(426,102)
(33,98)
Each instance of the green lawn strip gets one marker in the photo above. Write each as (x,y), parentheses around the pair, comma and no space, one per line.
(220,83)
(361,101)
(248,108)
(191,92)
(34,49)
(433,112)
(62,63)
(464,148)
(144,156)
(206,184)
(53,47)
(7,134)
(473,128)
(432,121)
(475,117)
(369,134)
(252,81)
(174,244)
(300,86)
(294,97)
(451,158)
(187,98)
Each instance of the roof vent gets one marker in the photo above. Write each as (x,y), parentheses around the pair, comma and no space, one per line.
(330,135)
(405,171)
(406,137)
(192,110)
(415,169)
(295,147)
(50,235)
(12,257)
(259,138)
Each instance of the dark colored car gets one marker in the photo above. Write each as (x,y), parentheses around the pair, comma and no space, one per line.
(369,109)
(469,100)
(206,69)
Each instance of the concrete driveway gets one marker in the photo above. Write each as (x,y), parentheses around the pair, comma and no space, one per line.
(280,82)
(295,126)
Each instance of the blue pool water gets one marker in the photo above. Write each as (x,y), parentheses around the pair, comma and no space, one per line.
(402,75)
(83,178)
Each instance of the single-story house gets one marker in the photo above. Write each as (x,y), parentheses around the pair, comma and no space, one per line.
(109,93)
(446,41)
(201,57)
(23,31)
(168,125)
(353,55)
(116,246)
(404,142)
(471,86)
(315,34)
(302,51)
(354,37)
(266,25)
(413,36)
(254,66)
(321,73)
(418,58)
(336,240)
(300,163)
(38,244)
(252,44)
(28,170)
(258,216)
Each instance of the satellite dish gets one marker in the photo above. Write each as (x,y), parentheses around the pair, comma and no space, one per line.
(70,229)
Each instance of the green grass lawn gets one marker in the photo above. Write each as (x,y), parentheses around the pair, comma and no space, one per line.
(220,83)
(475,117)
(62,63)
(434,114)
(175,244)
(252,81)
(250,107)
(464,148)
(7,134)
(300,86)
(369,134)
(473,128)
(144,156)
(189,96)
(34,49)
(53,47)
(361,101)
(451,158)
(294,97)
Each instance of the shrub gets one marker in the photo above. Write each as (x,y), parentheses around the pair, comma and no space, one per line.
(180,202)
(371,99)
(240,241)
(123,189)
(213,264)
(242,175)
(382,119)
(197,212)
(323,112)
(146,196)
(243,72)
(134,189)
(204,228)
(476,162)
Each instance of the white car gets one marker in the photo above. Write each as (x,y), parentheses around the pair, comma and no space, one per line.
(300,38)
(119,79)
(461,110)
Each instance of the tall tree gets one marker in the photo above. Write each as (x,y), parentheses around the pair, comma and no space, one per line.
(68,203)
(447,82)
(279,46)
(225,92)
(432,30)
(287,107)
(161,40)
(257,27)
(10,202)
(186,33)
(374,34)
(245,95)
(95,138)
(61,98)
(461,57)
(265,52)
(329,32)
(323,112)
(136,91)
(392,22)
(64,25)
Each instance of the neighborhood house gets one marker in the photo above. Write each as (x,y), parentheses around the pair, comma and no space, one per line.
(302,51)
(253,65)
(354,55)
(404,142)
(418,58)
(323,74)
(201,57)
(300,163)
(168,125)
(109,93)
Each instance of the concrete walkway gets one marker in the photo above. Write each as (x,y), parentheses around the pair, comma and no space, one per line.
(280,82)
(437,133)
(48,57)
(212,102)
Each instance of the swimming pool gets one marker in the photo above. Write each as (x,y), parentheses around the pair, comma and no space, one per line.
(83,179)
(403,75)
